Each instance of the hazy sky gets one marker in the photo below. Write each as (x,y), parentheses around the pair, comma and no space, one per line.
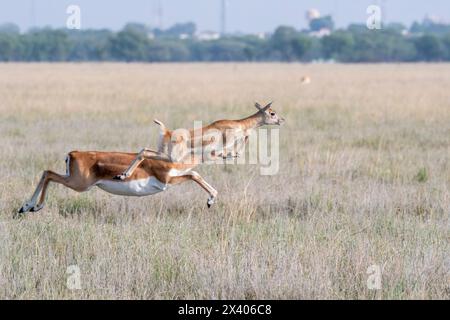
(242,15)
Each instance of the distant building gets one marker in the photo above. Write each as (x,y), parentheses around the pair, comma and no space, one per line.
(207,35)
(321,33)
(261,35)
(314,14)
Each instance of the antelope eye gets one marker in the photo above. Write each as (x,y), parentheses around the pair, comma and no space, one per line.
(272,114)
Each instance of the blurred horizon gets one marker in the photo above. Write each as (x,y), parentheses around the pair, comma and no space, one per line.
(241,17)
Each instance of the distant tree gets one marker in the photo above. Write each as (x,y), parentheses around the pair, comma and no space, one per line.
(10,28)
(158,52)
(129,45)
(281,43)
(401,49)
(164,51)
(379,46)
(325,22)
(45,45)
(392,46)
(300,45)
(358,44)
(338,45)
(133,43)
(221,50)
(396,27)
(137,27)
(357,28)
(254,47)
(430,27)
(58,45)
(416,27)
(314,51)
(429,48)
(179,51)
(89,45)
(446,44)
(8,45)
(179,29)
(287,44)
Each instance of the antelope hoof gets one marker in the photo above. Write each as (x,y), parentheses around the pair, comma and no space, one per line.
(36,208)
(210,202)
(120,177)
(25,208)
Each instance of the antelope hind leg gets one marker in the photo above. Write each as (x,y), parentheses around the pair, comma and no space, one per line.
(32,202)
(195,176)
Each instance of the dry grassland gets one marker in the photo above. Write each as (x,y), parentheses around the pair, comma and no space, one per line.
(364,180)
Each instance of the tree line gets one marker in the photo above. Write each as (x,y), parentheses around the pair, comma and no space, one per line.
(136,42)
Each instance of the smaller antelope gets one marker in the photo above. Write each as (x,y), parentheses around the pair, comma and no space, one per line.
(167,139)
(305,80)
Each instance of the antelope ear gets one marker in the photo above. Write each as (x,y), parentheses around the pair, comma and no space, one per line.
(266,107)
(258,106)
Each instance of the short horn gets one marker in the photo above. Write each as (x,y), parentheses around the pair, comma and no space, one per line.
(267,107)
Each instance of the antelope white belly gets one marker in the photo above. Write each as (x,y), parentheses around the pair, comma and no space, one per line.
(137,188)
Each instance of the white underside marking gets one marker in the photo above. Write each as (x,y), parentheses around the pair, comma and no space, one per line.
(137,188)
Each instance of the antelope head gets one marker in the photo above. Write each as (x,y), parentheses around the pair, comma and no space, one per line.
(270,117)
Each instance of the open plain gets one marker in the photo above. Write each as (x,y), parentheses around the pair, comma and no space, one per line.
(363,184)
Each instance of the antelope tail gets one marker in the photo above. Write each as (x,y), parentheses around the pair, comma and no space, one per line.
(162,125)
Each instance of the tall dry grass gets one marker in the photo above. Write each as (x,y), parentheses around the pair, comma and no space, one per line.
(364,180)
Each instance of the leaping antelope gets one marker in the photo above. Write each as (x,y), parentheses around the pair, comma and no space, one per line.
(93,168)
(154,173)
(167,139)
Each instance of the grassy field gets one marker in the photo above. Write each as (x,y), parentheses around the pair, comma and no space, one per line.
(364,180)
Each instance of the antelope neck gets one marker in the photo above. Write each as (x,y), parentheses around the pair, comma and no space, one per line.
(254,121)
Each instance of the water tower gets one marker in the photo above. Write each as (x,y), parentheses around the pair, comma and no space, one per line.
(312,14)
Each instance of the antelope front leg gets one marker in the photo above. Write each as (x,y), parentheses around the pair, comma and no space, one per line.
(142,155)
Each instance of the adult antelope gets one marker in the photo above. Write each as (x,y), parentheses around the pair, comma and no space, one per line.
(154,173)
(234,134)
(93,168)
